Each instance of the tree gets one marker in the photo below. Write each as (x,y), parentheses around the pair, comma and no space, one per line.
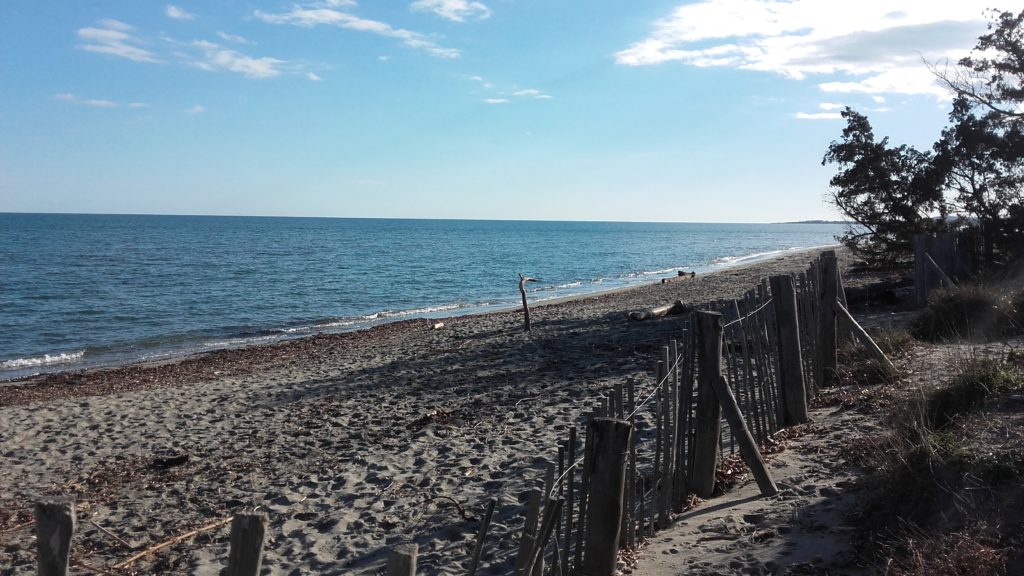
(982,152)
(890,193)
(992,76)
(981,169)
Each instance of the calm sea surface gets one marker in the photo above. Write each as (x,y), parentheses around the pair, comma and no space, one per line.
(85,290)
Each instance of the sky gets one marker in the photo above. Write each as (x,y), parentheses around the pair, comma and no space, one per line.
(708,110)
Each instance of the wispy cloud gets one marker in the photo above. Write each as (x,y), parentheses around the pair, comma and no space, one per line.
(831,106)
(117,39)
(313,77)
(217,57)
(195,109)
(176,13)
(507,96)
(454,10)
(818,116)
(875,47)
(233,38)
(96,102)
(531,93)
(331,13)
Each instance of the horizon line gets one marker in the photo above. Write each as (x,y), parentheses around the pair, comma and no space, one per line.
(807,221)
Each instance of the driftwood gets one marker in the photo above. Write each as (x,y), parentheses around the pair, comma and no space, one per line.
(526,307)
(171,542)
(672,309)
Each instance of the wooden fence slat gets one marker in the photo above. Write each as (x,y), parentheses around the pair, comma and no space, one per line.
(246,554)
(827,340)
(481,536)
(55,525)
(793,405)
(402,561)
(709,419)
(607,483)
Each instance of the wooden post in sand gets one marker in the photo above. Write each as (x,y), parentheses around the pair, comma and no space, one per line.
(793,398)
(55,524)
(827,341)
(607,483)
(481,535)
(847,319)
(247,533)
(526,307)
(402,561)
(529,538)
(708,415)
(748,448)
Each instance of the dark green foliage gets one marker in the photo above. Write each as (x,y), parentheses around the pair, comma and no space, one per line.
(889,192)
(975,172)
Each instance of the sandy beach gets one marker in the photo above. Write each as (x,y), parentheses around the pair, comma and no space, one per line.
(351,442)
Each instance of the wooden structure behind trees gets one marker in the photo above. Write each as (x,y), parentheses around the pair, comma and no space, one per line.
(940,259)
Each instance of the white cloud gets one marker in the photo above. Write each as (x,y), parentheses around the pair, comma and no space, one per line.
(313,77)
(454,10)
(328,14)
(176,13)
(876,45)
(496,100)
(383,58)
(97,102)
(531,93)
(195,109)
(115,38)
(216,57)
(818,116)
(120,39)
(831,106)
(233,38)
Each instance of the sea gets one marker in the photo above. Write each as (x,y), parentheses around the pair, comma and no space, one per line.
(81,290)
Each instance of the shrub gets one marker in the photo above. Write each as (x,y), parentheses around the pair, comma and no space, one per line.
(965,312)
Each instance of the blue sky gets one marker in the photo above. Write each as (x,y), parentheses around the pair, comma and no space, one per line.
(713,110)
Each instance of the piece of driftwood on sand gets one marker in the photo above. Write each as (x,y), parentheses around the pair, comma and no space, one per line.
(673,309)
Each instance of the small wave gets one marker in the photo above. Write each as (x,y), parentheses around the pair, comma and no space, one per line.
(731,260)
(44,360)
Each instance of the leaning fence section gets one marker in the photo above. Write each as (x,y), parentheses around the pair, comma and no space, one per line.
(774,347)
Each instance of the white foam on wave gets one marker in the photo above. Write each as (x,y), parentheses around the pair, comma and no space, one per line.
(44,360)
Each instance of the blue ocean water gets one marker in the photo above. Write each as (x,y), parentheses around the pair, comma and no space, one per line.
(85,290)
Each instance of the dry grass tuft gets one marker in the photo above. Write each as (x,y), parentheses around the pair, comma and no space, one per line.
(969,552)
(923,473)
(970,312)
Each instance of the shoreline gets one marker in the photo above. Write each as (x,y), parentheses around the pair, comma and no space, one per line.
(350,442)
(186,355)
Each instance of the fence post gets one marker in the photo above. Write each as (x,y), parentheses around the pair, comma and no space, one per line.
(402,561)
(708,416)
(607,482)
(529,530)
(827,340)
(247,533)
(55,525)
(792,396)
(479,546)
(748,448)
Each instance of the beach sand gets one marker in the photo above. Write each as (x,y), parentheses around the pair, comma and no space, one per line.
(351,443)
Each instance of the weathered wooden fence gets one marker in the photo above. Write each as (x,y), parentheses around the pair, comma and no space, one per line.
(939,260)
(756,360)
(741,370)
